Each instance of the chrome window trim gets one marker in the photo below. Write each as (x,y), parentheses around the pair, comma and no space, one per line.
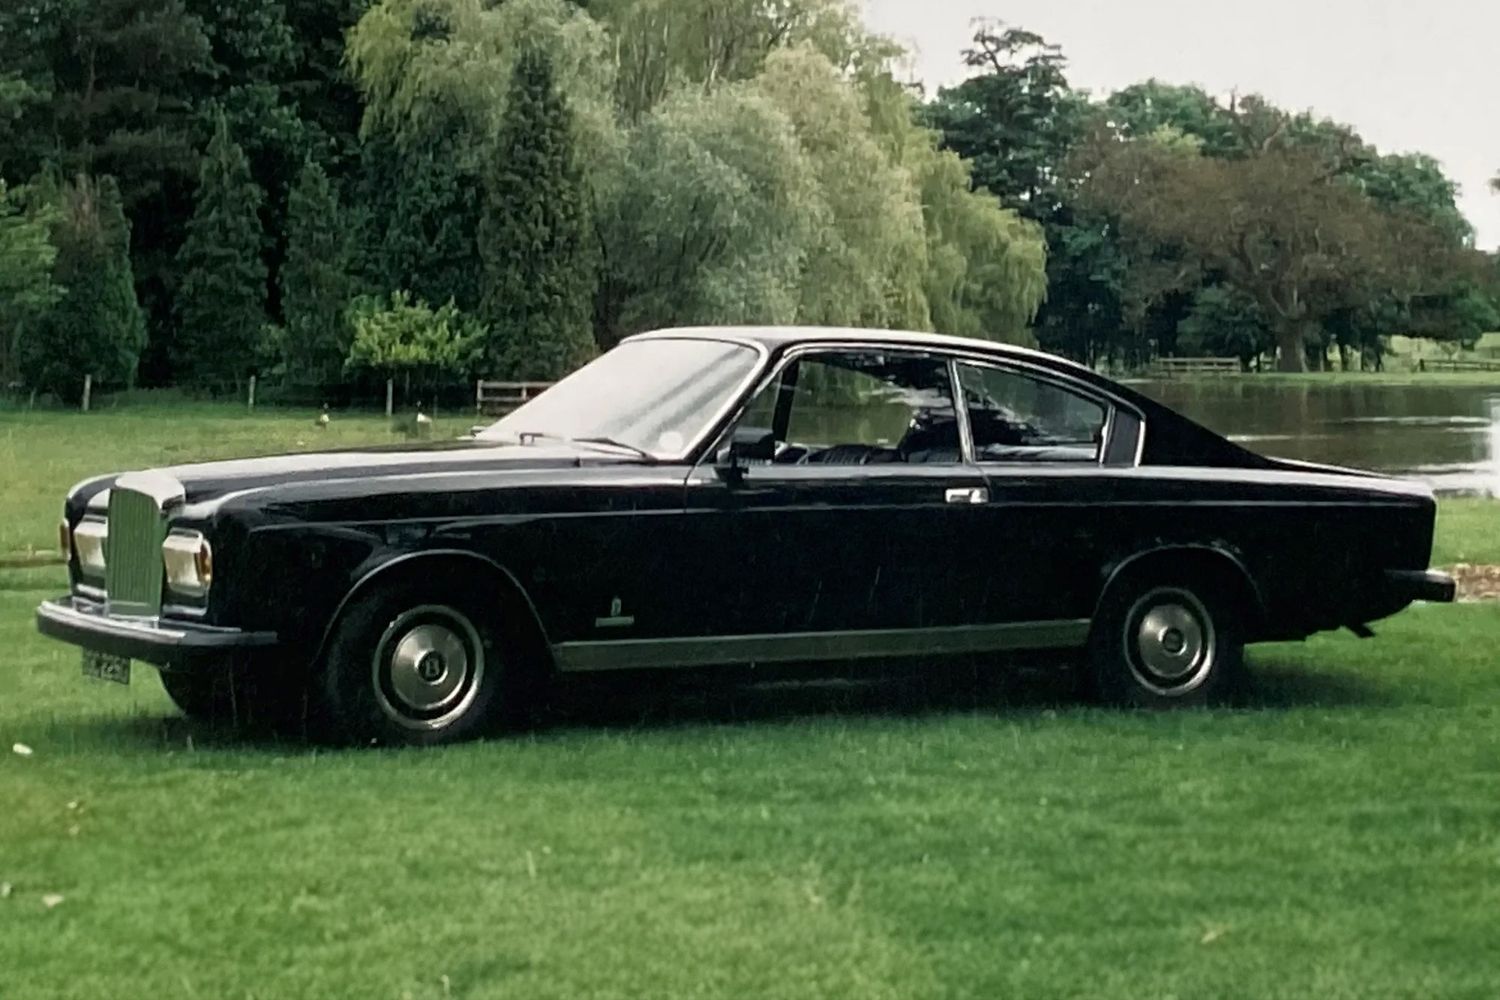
(1108,401)
(796,351)
(797,647)
(961,408)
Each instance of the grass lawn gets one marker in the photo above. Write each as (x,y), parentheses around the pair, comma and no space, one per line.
(941,837)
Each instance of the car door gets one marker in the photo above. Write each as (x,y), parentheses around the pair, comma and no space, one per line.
(1050,450)
(858,524)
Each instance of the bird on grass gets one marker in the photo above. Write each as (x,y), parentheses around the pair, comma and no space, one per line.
(323,418)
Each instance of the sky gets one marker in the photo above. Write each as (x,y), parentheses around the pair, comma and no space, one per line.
(1409,76)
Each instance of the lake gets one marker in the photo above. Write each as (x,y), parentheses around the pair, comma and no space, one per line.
(1445,435)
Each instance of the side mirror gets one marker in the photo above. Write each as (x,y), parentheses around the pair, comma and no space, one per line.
(746,446)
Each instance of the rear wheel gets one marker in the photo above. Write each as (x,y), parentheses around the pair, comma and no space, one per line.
(410,664)
(1166,643)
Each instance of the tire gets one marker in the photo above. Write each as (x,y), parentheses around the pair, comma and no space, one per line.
(1165,642)
(410,664)
(236,694)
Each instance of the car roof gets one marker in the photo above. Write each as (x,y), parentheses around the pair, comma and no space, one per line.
(775,337)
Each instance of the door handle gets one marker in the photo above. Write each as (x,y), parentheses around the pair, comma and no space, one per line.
(969,495)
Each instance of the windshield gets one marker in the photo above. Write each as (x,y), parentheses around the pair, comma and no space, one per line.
(657,396)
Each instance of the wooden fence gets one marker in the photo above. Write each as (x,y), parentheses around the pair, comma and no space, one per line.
(1457,365)
(498,398)
(1172,367)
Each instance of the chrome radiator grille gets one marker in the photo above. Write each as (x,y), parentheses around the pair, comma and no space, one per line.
(137,527)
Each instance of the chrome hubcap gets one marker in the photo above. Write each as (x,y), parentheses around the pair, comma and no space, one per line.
(427,667)
(1170,642)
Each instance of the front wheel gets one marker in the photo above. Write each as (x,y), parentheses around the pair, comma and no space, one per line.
(1166,644)
(412,665)
(233,694)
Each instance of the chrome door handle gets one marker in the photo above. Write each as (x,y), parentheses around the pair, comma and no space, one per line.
(975,495)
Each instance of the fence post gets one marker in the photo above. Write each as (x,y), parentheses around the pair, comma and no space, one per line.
(88,390)
(252,392)
(390,397)
(478,397)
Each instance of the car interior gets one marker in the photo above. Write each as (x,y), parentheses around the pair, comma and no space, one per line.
(879,409)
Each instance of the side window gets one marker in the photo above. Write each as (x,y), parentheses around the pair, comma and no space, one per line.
(1017,418)
(860,408)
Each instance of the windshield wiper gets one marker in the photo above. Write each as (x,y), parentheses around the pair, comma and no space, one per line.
(527,437)
(612,443)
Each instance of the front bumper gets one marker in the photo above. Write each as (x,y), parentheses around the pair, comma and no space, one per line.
(1407,585)
(170,644)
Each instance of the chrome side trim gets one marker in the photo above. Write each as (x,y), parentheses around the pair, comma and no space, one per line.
(794,647)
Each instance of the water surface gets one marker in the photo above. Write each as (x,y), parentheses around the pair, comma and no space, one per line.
(1445,435)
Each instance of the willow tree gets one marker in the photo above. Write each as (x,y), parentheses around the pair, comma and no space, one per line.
(711,217)
(447,64)
(867,263)
(662,45)
(986,266)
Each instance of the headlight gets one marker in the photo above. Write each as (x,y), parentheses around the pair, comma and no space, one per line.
(189,561)
(88,541)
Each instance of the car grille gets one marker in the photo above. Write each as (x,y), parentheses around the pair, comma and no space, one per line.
(137,527)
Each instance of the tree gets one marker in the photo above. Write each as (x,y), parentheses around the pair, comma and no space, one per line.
(403,336)
(1225,323)
(27,255)
(97,327)
(419,226)
(317,281)
(1016,120)
(662,45)
(221,303)
(1278,226)
(535,236)
(710,218)
(868,263)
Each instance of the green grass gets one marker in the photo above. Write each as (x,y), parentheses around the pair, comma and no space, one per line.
(1340,838)
(941,837)
(50,450)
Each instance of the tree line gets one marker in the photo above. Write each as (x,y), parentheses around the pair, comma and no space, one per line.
(318,190)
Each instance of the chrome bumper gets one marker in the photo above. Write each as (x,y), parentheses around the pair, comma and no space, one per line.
(170,644)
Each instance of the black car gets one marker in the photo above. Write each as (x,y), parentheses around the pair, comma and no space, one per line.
(730,497)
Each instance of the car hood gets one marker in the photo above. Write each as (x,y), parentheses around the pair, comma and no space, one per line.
(209,481)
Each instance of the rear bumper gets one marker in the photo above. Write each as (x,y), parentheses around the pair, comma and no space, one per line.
(1406,585)
(171,644)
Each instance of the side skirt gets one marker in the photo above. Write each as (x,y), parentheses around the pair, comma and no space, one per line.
(796,647)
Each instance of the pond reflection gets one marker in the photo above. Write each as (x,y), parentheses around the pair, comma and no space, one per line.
(1447,436)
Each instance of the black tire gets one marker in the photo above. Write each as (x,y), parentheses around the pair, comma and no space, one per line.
(417,664)
(1167,642)
(234,694)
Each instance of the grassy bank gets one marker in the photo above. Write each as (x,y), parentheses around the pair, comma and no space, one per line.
(941,837)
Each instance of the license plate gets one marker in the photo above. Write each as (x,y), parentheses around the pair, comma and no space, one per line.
(106,667)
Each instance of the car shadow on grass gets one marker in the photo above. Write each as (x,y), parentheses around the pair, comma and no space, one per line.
(641,701)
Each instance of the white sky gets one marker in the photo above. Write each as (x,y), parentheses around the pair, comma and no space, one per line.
(1410,75)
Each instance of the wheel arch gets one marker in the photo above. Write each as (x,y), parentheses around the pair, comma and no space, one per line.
(1195,558)
(510,595)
